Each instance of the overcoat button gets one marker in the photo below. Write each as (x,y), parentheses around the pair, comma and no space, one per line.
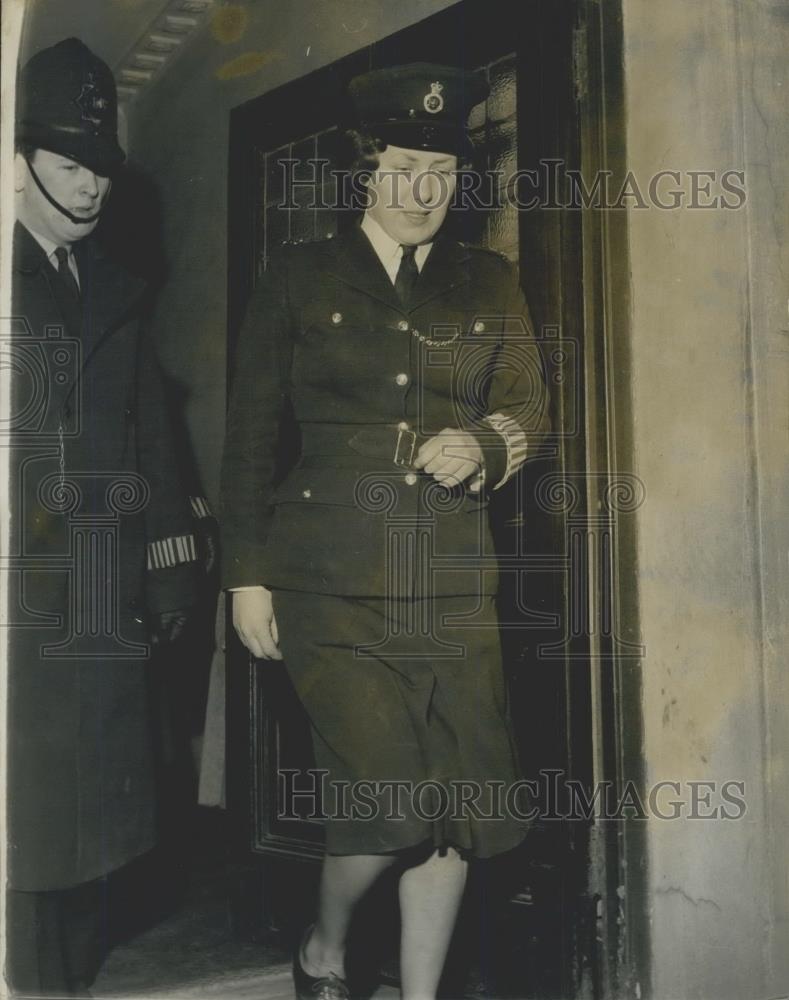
(410,478)
(401,379)
(403,325)
(306,494)
(479,327)
(336,318)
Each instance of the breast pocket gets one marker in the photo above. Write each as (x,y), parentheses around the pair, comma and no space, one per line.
(327,316)
(332,350)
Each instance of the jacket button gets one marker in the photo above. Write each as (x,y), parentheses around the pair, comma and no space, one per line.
(403,325)
(479,327)
(401,379)
(410,478)
(336,318)
(306,494)
(402,426)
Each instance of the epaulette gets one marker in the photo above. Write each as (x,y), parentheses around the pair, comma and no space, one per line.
(488,250)
(310,242)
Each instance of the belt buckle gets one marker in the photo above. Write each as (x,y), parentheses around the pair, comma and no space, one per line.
(404,449)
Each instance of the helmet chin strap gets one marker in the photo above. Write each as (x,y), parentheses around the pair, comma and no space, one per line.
(76,219)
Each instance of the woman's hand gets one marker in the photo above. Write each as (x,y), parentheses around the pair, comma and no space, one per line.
(451,457)
(253,619)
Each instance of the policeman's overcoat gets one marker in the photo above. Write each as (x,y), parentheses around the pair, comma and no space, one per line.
(100,539)
(368,380)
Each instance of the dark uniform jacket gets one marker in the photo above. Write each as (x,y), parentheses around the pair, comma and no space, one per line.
(368,380)
(100,540)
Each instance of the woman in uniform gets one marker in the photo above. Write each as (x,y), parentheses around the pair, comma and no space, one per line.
(409,362)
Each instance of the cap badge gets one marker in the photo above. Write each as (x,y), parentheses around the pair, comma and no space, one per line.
(90,102)
(433,101)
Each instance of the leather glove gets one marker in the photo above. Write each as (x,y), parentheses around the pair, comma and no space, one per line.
(168,626)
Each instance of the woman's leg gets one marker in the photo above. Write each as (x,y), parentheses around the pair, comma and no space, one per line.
(430,895)
(344,880)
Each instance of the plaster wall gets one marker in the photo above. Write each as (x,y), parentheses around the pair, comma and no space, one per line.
(706,89)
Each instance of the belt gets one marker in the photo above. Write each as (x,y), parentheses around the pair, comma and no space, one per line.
(343,443)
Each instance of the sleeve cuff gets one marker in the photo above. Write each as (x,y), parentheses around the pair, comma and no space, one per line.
(167,552)
(504,457)
(200,507)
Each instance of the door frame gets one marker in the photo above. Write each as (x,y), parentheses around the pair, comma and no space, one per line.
(618,850)
(614,950)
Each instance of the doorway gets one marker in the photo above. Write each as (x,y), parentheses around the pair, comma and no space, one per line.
(555,919)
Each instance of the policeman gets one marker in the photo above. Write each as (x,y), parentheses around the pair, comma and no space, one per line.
(410,364)
(102,551)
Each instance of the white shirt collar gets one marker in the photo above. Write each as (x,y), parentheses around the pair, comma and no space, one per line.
(46,245)
(49,249)
(388,250)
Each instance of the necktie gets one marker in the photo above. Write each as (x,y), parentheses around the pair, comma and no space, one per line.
(66,276)
(407,274)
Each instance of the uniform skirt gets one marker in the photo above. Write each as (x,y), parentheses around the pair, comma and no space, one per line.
(408,713)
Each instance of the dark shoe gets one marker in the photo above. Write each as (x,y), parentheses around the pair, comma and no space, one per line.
(308,987)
